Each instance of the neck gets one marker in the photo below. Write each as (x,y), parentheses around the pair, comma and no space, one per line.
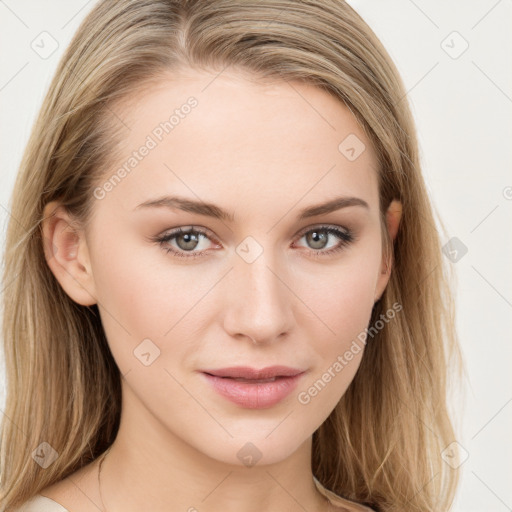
(162,472)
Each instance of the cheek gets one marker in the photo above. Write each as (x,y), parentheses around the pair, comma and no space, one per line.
(342,300)
(341,297)
(350,302)
(134,303)
(339,348)
(144,296)
(346,311)
(127,286)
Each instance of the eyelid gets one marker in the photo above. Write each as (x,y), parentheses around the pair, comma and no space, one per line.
(174,232)
(207,232)
(344,235)
(320,226)
(343,241)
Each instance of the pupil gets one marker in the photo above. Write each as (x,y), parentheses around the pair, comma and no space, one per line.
(189,238)
(318,237)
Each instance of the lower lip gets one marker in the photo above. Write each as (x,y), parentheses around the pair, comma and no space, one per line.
(254,395)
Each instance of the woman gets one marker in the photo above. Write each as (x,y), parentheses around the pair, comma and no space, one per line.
(228,289)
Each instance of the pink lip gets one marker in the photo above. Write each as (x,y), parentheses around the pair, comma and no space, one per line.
(246,372)
(254,395)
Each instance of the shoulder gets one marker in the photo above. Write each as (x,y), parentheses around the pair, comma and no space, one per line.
(41,503)
(66,495)
(344,504)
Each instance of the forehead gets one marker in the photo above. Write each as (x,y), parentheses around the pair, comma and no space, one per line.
(238,141)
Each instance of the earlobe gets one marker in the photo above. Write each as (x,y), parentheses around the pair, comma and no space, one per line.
(393,217)
(67,255)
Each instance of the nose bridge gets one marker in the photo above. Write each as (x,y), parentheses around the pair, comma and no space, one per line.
(259,303)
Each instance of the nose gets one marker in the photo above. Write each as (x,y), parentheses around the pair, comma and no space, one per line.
(259,306)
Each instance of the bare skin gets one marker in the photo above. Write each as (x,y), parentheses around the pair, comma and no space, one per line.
(263,153)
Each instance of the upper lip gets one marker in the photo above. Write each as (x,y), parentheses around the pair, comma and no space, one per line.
(246,372)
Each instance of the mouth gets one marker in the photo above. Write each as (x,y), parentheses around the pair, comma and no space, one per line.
(254,389)
(248,374)
(250,381)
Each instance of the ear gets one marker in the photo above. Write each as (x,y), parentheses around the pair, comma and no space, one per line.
(393,216)
(67,254)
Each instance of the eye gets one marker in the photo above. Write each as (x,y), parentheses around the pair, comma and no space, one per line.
(186,240)
(318,238)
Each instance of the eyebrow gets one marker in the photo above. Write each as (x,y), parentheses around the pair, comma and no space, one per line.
(212,210)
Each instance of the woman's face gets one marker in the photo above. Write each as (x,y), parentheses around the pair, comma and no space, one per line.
(262,286)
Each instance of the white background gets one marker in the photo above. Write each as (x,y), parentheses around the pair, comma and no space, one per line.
(462,107)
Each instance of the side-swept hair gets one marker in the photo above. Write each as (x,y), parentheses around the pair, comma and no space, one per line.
(382,443)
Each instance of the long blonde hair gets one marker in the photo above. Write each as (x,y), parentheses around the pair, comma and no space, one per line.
(382,444)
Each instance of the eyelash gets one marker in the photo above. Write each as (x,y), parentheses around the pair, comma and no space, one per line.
(346,238)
